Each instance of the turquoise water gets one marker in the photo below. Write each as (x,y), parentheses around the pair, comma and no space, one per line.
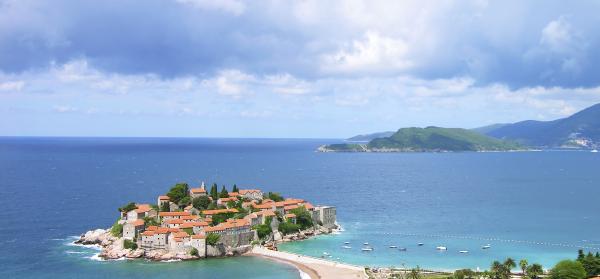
(536,205)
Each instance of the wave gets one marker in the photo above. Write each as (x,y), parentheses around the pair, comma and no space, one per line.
(75,252)
(303,275)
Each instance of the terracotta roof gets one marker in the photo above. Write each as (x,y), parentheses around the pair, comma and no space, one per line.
(308,206)
(178,239)
(266,213)
(248,191)
(290,215)
(182,213)
(142,208)
(264,206)
(148,233)
(290,207)
(193,224)
(190,218)
(174,221)
(180,234)
(151,228)
(162,230)
(227,199)
(197,190)
(267,200)
(218,211)
(198,236)
(172,230)
(138,222)
(164,198)
(234,194)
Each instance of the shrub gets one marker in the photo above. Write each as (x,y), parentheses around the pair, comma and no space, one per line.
(201,202)
(128,244)
(568,269)
(117,230)
(189,231)
(150,221)
(263,230)
(287,228)
(128,207)
(303,217)
(194,252)
(178,192)
(212,238)
(185,201)
(274,196)
(164,207)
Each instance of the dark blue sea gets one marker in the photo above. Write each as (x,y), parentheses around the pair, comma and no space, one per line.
(542,206)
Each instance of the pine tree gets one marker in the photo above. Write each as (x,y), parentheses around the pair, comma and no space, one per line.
(235,189)
(224,193)
(214,192)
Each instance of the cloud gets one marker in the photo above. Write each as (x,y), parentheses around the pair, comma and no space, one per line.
(12,85)
(230,6)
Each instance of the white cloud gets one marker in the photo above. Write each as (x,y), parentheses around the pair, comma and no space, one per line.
(375,53)
(12,85)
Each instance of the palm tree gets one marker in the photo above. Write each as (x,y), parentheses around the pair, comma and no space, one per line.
(414,273)
(510,263)
(496,270)
(523,264)
(534,270)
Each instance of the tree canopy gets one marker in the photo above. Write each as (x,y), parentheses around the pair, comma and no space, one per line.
(224,193)
(568,269)
(201,202)
(128,207)
(178,192)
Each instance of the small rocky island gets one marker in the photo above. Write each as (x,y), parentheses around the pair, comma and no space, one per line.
(191,223)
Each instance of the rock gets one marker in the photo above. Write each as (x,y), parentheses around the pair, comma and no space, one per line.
(167,256)
(277,236)
(92,237)
(137,253)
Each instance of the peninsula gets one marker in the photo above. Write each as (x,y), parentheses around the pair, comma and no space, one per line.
(430,139)
(193,223)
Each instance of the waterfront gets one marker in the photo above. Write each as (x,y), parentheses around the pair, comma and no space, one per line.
(535,205)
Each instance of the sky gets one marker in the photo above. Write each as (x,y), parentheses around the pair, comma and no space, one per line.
(290,69)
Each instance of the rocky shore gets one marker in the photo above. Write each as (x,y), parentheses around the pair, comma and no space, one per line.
(112,247)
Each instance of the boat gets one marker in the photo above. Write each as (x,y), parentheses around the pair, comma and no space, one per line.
(441,248)
(366,243)
(325,254)
(402,249)
(367,249)
(594,151)
(346,247)
(420,244)
(393,246)
(463,251)
(486,246)
(347,242)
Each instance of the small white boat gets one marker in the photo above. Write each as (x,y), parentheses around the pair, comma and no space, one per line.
(594,151)
(347,242)
(367,249)
(402,249)
(463,251)
(420,244)
(366,243)
(441,248)
(486,246)
(393,246)
(325,254)
(346,247)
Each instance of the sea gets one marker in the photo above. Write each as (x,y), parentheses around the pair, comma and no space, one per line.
(541,206)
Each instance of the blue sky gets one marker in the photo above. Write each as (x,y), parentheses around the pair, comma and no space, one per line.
(290,68)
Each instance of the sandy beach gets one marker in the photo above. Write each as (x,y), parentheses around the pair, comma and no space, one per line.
(313,267)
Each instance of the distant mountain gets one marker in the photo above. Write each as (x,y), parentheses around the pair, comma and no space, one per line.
(580,130)
(489,128)
(368,137)
(434,139)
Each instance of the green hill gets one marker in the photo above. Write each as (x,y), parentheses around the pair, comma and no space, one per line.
(428,139)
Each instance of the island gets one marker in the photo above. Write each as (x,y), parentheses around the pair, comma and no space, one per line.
(429,139)
(193,223)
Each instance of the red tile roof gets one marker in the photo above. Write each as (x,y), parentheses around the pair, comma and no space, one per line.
(164,198)
(142,208)
(138,222)
(218,211)
(182,213)
(197,190)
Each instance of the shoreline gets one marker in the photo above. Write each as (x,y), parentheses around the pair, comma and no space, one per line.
(314,267)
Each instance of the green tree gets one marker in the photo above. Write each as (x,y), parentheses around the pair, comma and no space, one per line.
(224,193)
(128,244)
(415,273)
(164,207)
(194,252)
(534,271)
(523,265)
(275,196)
(263,230)
(185,201)
(214,192)
(287,228)
(116,230)
(568,269)
(128,207)
(591,264)
(500,270)
(212,239)
(178,192)
(150,221)
(463,274)
(510,263)
(201,202)
(303,217)
(235,189)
